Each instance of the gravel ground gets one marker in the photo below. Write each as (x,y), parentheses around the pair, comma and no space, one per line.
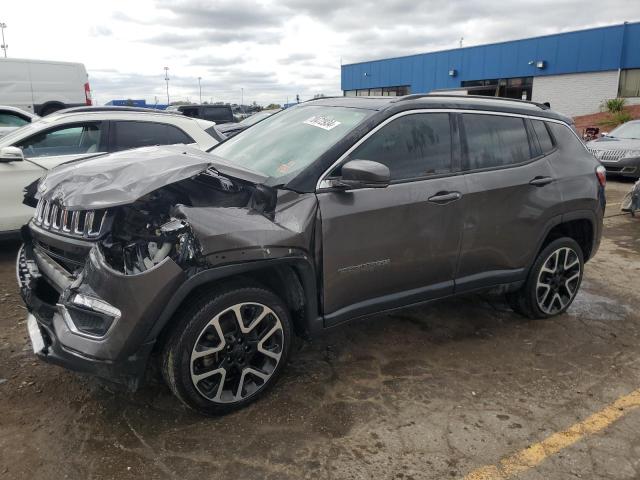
(427,393)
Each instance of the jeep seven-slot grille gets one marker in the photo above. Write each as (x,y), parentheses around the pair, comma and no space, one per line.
(77,223)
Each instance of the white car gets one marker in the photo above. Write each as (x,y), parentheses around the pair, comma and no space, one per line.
(80,133)
(13,117)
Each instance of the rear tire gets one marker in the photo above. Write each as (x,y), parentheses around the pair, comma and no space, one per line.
(552,282)
(228,349)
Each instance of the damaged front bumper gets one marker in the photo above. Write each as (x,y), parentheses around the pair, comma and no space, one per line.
(96,322)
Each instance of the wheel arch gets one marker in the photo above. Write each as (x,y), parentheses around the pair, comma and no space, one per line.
(46,108)
(579,225)
(292,279)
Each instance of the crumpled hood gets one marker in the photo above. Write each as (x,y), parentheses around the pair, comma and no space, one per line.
(122,178)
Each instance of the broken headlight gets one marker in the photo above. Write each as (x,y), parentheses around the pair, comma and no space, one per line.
(89,315)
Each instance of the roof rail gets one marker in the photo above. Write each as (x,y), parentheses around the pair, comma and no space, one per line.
(114,108)
(414,96)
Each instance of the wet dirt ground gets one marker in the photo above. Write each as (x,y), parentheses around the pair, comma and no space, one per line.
(427,393)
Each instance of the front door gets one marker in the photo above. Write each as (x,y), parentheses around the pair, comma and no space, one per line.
(387,247)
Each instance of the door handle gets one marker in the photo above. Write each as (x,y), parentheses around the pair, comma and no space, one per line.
(541,181)
(445,197)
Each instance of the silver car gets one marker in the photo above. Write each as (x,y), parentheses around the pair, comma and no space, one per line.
(619,150)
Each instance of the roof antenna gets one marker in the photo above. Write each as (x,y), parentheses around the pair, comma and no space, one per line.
(461,39)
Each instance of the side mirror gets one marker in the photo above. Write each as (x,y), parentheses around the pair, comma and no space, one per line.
(364,174)
(11,154)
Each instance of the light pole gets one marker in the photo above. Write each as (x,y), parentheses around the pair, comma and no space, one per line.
(200,88)
(242,99)
(4,46)
(166,79)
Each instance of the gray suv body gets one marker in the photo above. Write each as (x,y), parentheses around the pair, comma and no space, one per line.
(330,211)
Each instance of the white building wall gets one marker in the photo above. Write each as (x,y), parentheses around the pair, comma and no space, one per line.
(577,93)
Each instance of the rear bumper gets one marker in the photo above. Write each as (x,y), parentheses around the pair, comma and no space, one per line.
(120,354)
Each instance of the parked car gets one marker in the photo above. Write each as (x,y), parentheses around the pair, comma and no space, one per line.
(12,118)
(41,86)
(619,150)
(231,129)
(212,113)
(74,134)
(329,211)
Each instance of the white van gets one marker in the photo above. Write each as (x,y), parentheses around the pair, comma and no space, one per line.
(41,86)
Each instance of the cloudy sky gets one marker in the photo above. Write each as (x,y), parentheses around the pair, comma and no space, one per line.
(271,50)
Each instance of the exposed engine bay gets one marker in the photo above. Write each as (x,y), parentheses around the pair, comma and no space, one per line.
(146,232)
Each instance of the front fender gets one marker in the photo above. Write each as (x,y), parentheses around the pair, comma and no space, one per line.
(302,265)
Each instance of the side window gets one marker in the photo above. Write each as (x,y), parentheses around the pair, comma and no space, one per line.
(8,119)
(66,140)
(495,141)
(128,135)
(411,146)
(175,135)
(546,144)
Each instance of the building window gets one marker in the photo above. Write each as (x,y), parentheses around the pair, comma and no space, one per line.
(396,91)
(376,92)
(630,83)
(519,88)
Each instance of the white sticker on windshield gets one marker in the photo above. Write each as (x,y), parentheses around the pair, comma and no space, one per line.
(322,122)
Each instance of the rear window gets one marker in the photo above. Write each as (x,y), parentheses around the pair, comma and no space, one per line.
(546,144)
(495,141)
(219,114)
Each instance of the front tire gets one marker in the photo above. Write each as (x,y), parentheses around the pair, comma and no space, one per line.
(552,282)
(227,349)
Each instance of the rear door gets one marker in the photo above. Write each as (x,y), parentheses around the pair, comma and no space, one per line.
(386,247)
(511,199)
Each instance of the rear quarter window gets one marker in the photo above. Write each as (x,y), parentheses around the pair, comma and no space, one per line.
(566,140)
(544,139)
(176,135)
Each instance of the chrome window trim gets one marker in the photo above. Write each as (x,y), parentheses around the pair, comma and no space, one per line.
(322,183)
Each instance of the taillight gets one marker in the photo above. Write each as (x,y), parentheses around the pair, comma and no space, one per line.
(601,173)
(87,93)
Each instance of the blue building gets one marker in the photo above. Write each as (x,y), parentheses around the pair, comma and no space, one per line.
(573,71)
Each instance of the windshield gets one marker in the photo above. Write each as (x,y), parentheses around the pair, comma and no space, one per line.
(629,130)
(282,145)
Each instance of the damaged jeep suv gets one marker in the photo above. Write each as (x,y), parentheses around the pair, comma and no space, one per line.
(209,263)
